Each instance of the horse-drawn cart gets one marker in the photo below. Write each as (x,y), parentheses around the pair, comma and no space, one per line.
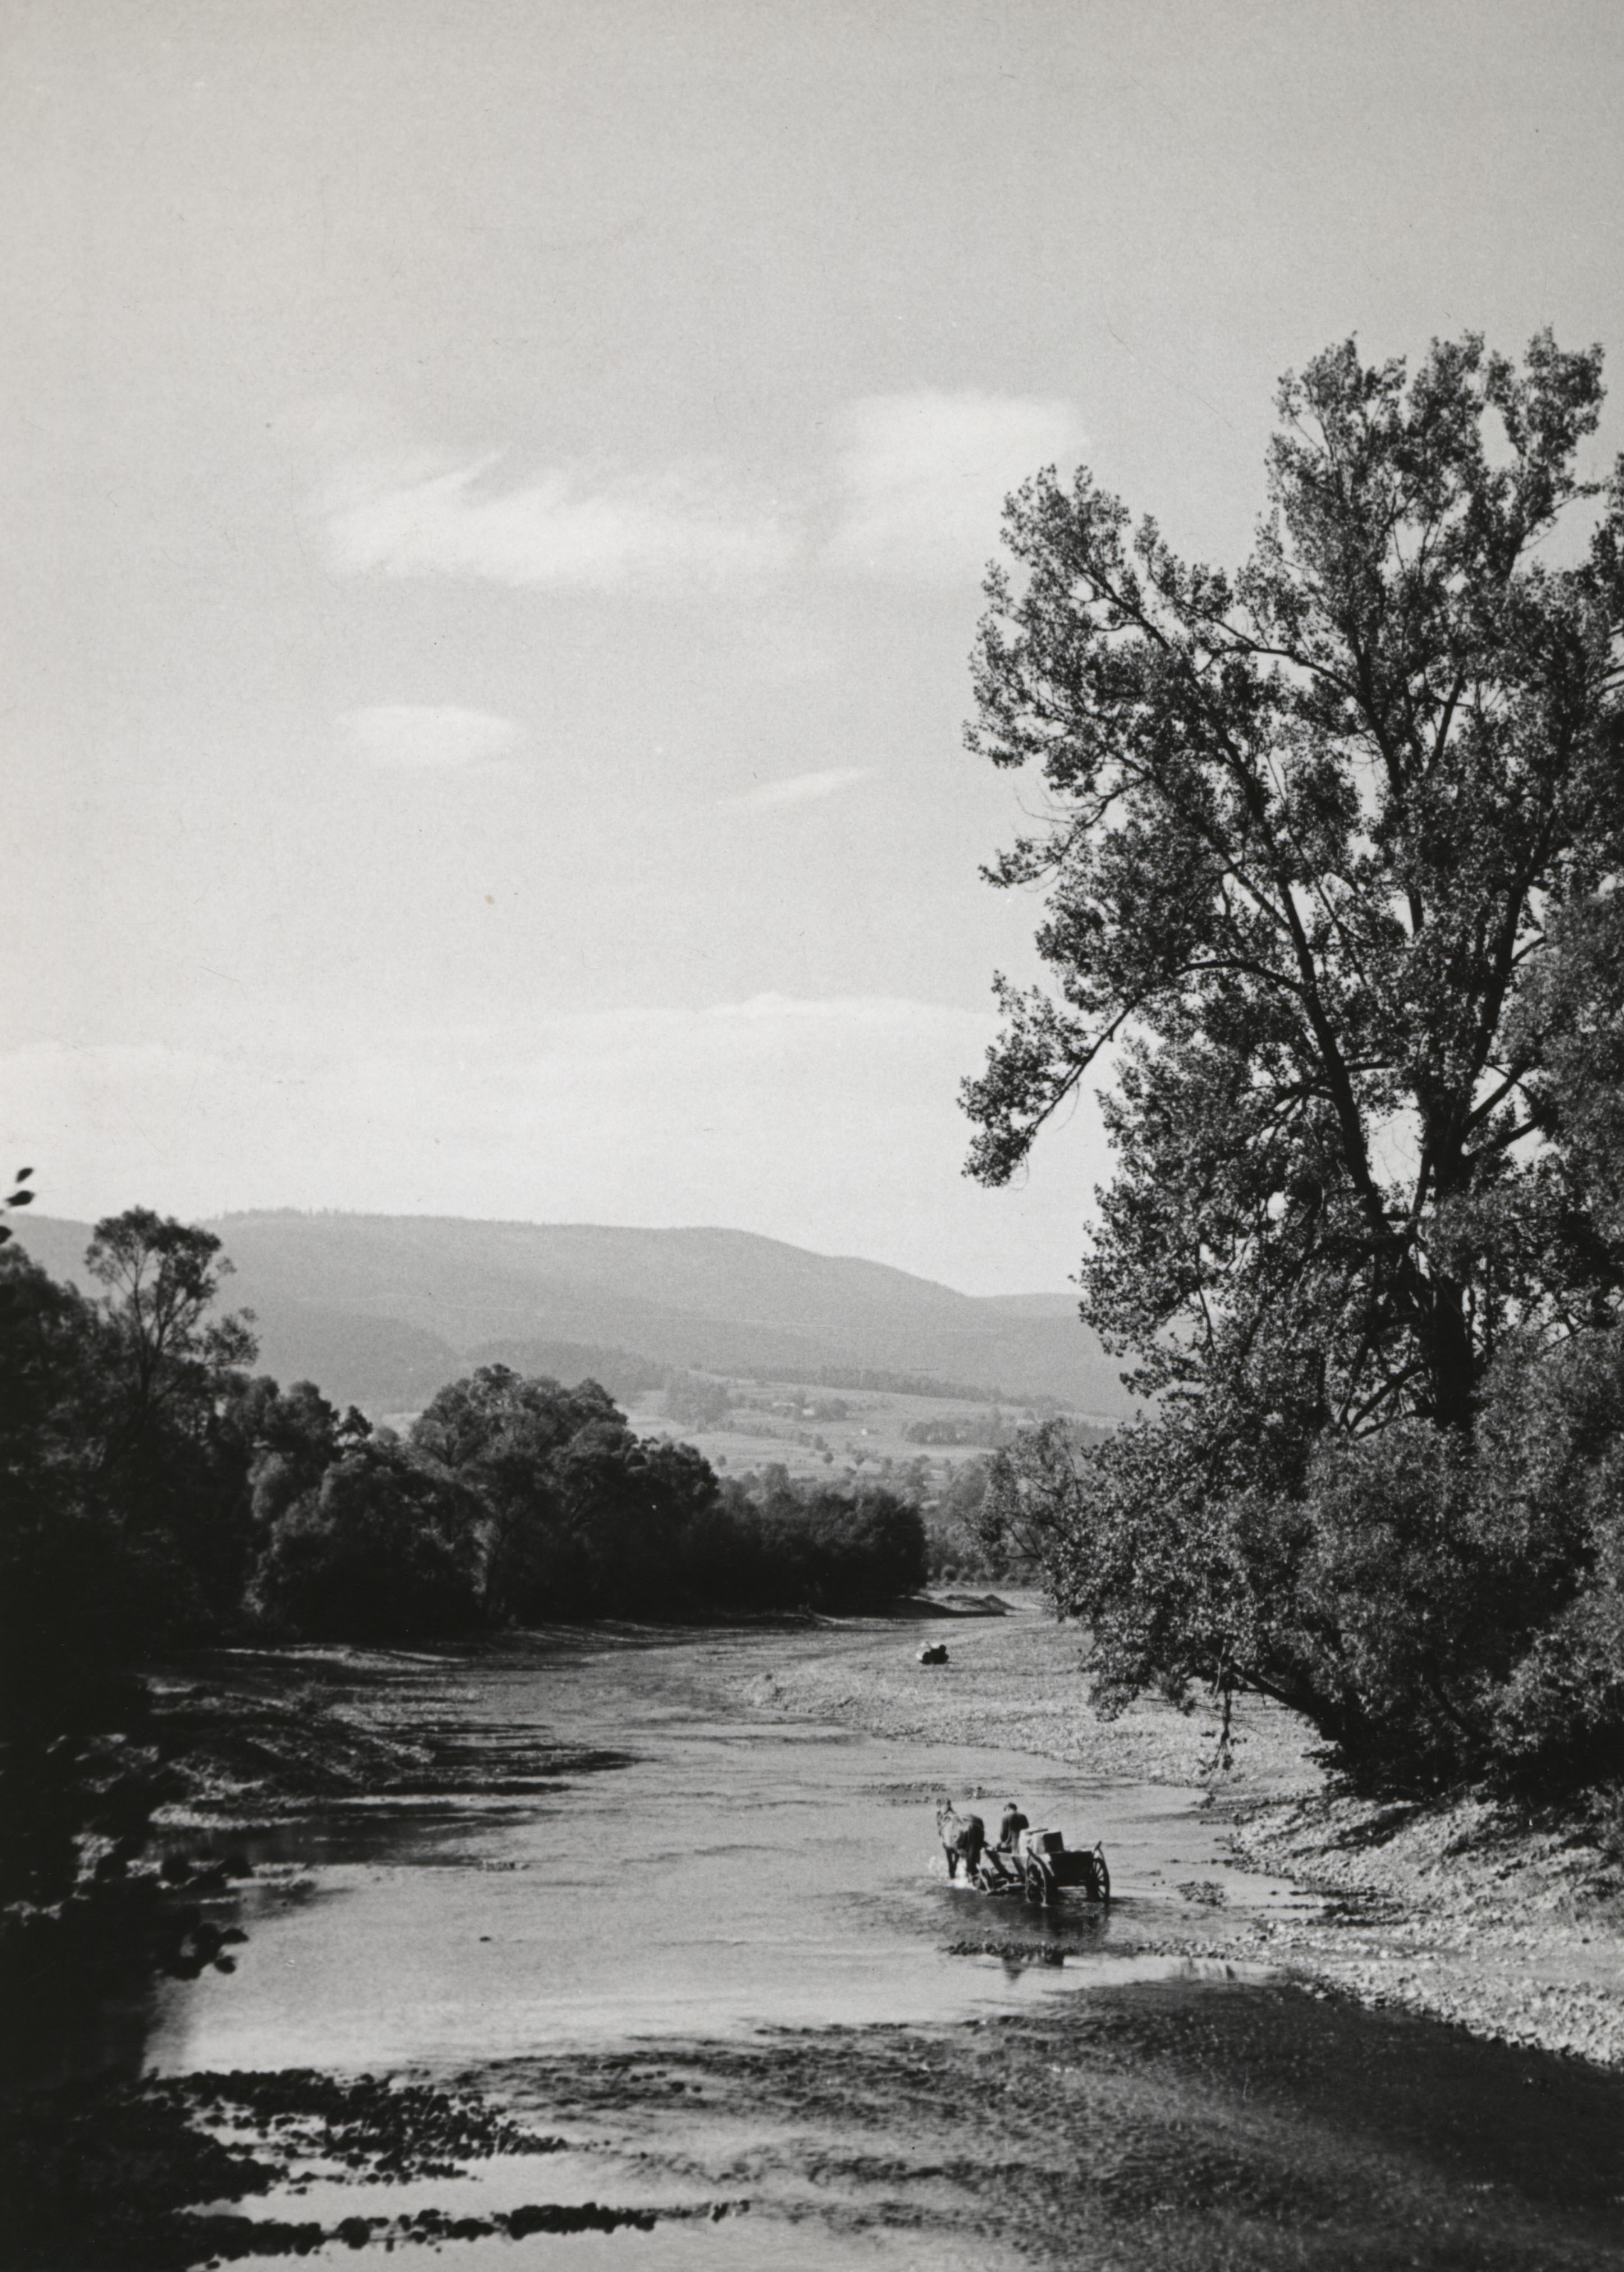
(1036,1863)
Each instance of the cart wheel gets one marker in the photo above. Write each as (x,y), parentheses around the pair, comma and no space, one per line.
(1103,1873)
(1040,1885)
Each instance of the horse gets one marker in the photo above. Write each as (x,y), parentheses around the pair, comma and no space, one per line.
(963,1838)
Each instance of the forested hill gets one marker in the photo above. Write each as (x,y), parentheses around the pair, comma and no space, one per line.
(381,1310)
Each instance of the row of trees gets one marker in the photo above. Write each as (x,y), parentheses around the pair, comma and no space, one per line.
(1331,869)
(156,1492)
(514,1501)
(155,1495)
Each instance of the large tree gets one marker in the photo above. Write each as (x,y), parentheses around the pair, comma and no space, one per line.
(171,1451)
(1328,854)
(1309,826)
(163,1278)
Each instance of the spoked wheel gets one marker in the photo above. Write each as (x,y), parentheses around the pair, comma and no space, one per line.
(1102,1873)
(1040,1885)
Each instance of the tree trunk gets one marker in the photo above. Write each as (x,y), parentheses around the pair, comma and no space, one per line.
(1451,1361)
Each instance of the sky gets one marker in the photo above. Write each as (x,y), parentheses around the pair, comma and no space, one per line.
(496,497)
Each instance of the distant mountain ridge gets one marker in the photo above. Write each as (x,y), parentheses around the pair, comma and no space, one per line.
(380,1310)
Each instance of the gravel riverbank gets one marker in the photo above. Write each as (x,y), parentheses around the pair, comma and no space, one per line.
(1464,1913)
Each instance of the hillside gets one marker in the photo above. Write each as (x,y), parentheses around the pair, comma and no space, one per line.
(381,1309)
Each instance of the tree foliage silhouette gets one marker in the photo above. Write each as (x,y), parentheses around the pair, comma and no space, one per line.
(1327,858)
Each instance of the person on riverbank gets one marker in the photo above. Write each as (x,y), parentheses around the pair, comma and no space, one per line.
(1011,1825)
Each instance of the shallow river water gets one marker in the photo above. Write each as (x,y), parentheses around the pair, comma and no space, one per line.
(718,1952)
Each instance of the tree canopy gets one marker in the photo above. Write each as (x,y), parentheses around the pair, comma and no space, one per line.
(1314,825)
(1328,862)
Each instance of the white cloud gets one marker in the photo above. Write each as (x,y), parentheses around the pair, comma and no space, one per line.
(924,476)
(569,529)
(800,788)
(437,736)
(917,482)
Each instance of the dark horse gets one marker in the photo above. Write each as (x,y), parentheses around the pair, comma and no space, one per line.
(962,1838)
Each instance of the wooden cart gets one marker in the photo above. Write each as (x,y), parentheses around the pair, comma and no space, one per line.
(1049,1867)
(1041,1866)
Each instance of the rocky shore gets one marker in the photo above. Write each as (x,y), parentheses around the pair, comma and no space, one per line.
(1510,1927)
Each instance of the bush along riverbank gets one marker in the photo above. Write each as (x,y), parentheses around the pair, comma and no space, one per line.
(1484,1913)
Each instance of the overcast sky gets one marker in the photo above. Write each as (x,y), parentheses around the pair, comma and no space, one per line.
(496,498)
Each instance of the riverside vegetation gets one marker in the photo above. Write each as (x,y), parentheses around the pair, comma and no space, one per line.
(1332,875)
(155,1495)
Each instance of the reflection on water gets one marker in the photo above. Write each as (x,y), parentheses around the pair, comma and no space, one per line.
(78,2036)
(696,1874)
(686,1886)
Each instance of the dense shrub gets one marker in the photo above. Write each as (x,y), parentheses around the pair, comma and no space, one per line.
(824,1549)
(388,1547)
(1396,1615)
(1446,1608)
(582,1518)
(1550,1466)
(627,1506)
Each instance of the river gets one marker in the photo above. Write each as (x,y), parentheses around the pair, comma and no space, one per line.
(716,1951)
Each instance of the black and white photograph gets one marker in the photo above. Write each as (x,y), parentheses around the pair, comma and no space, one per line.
(812,1135)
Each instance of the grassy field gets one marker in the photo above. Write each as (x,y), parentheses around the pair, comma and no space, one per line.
(836,1434)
